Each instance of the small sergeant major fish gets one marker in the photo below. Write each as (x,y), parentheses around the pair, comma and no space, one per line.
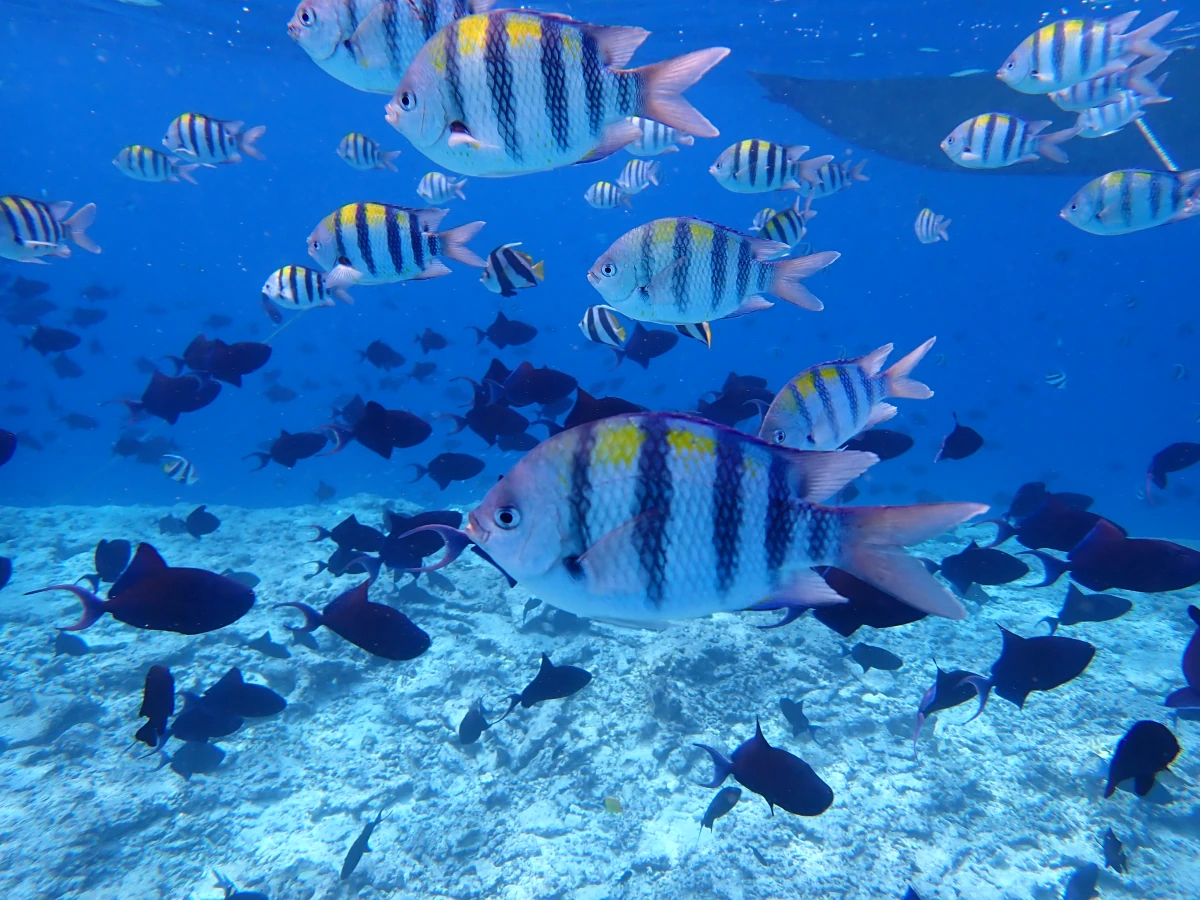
(833,177)
(760,219)
(299,287)
(1057,379)
(638,175)
(600,325)
(995,140)
(787,226)
(385,244)
(179,469)
(362,153)
(212,142)
(1098,91)
(437,188)
(31,229)
(931,227)
(606,195)
(147,164)
(1069,51)
(1101,121)
(656,138)
(1134,199)
(755,166)
(509,270)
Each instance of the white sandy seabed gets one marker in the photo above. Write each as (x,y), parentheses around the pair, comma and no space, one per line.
(1003,807)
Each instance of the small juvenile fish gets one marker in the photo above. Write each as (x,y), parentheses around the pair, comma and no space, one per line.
(1134,199)
(1101,121)
(179,469)
(211,142)
(931,227)
(724,800)
(1106,88)
(755,166)
(995,140)
(1057,379)
(437,188)
(359,847)
(638,175)
(31,229)
(509,270)
(833,177)
(760,218)
(600,325)
(788,226)
(362,153)
(606,195)
(698,331)
(147,164)
(656,138)
(300,287)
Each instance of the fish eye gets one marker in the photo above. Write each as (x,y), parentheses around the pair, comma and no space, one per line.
(950,140)
(307,18)
(507,517)
(608,270)
(779,436)
(316,245)
(408,101)
(1009,64)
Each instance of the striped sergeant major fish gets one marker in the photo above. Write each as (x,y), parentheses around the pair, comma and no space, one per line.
(368,44)
(512,92)
(212,142)
(699,331)
(362,153)
(755,166)
(1098,91)
(299,287)
(683,270)
(147,164)
(994,140)
(385,244)
(606,195)
(760,219)
(827,405)
(655,138)
(638,175)
(788,226)
(648,517)
(179,469)
(600,325)
(931,227)
(31,229)
(435,187)
(1134,199)
(1069,51)
(1110,118)
(509,270)
(833,177)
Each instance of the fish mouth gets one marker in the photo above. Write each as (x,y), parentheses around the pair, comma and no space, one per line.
(474,530)
(593,278)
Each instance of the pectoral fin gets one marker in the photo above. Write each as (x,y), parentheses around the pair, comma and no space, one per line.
(610,565)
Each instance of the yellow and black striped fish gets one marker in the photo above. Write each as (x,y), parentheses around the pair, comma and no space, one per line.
(600,325)
(509,270)
(656,138)
(755,166)
(362,153)
(787,226)
(995,140)
(212,142)
(300,288)
(179,469)
(147,164)
(1134,199)
(606,195)
(31,229)
(385,244)
(931,227)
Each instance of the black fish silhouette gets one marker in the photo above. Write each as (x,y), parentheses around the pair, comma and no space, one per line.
(724,801)
(268,647)
(949,689)
(1080,607)
(68,644)
(1114,853)
(793,711)
(960,443)
(551,683)
(1082,883)
(8,445)
(1033,664)
(1107,559)
(866,605)
(447,467)
(238,697)
(111,558)
(1174,458)
(473,724)
(1145,750)
(196,758)
(201,522)
(158,705)
(874,658)
(883,443)
(1189,697)
(976,565)
(359,847)
(288,449)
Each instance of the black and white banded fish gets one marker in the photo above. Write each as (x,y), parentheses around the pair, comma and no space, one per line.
(1134,199)
(760,219)
(1057,380)
(606,195)
(179,469)
(299,287)
(509,270)
(699,331)
(384,244)
(833,177)
(31,229)
(368,44)
(1110,118)
(362,153)
(147,164)
(647,517)
(600,325)
(655,138)
(212,142)
(1098,91)
(788,226)
(755,166)
(994,140)
(684,270)
(638,175)
(931,227)
(1069,51)
(437,188)
(512,91)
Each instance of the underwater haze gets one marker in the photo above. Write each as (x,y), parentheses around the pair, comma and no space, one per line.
(429,440)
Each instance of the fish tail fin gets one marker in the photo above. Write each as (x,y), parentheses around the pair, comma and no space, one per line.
(943,229)
(1139,82)
(1054,567)
(788,273)
(685,139)
(1184,698)
(807,169)
(312,618)
(454,244)
(664,82)
(480,334)
(539,270)
(1046,145)
(78,225)
(1003,532)
(856,173)
(422,471)
(248,139)
(185,172)
(93,606)
(1141,41)
(872,549)
(388,159)
(263,459)
(458,189)
(721,766)
(899,384)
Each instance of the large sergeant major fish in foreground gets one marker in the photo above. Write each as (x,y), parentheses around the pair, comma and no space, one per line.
(654,516)
(508,93)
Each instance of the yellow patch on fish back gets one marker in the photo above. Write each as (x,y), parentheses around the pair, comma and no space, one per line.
(664,231)
(618,445)
(684,441)
(702,235)
(752,468)
(523,31)
(1072,29)
(472,35)
(572,45)
(437,51)
(806,384)
(997,118)
(830,375)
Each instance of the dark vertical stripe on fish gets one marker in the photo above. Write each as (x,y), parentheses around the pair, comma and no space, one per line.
(292,284)
(718,267)
(391,34)
(1086,46)
(1156,198)
(772,148)
(1010,140)
(727,506)
(681,249)
(653,495)
(752,162)
(501,273)
(781,516)
(846,378)
(415,240)
(449,34)
(363,236)
(517,265)
(745,261)
(211,138)
(500,83)
(593,84)
(429,18)
(827,404)
(579,491)
(1058,53)
(31,227)
(339,235)
(989,134)
(1127,200)
(554,82)
(192,143)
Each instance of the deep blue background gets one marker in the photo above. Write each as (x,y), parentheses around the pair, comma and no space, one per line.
(78,81)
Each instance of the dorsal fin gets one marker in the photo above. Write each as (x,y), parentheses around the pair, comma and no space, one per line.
(146,561)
